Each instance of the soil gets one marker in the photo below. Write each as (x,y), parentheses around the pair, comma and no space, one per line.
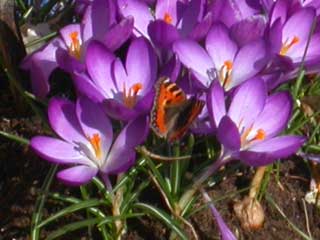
(22,174)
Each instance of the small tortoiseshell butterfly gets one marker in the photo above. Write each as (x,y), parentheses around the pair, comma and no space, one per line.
(172,113)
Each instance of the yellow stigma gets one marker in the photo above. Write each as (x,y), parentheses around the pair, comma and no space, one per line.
(95,141)
(287,45)
(75,47)
(130,97)
(225,73)
(167,18)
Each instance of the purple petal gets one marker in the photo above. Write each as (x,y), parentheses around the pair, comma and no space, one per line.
(99,61)
(201,29)
(193,56)
(162,34)
(67,62)
(272,149)
(220,46)
(274,36)
(93,121)
(216,103)
(279,11)
(78,175)
(167,8)
(172,69)
(249,61)
(122,153)
(228,134)
(41,64)
(248,30)
(66,31)
(86,87)
(140,12)
(63,120)
(247,103)
(117,110)
(279,106)
(57,151)
(118,34)
(141,65)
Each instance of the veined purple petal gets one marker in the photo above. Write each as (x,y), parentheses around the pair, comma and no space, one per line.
(86,87)
(279,106)
(247,103)
(163,34)
(117,110)
(78,175)
(220,46)
(63,120)
(272,149)
(140,12)
(274,36)
(58,151)
(279,11)
(122,153)
(193,56)
(118,34)
(67,62)
(141,65)
(167,9)
(201,29)
(248,30)
(216,103)
(250,59)
(99,61)
(94,121)
(228,134)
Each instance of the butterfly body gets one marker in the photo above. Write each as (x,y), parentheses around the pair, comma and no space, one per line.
(172,113)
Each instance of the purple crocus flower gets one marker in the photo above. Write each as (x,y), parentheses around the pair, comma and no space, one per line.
(87,142)
(223,58)
(172,20)
(126,91)
(68,50)
(249,129)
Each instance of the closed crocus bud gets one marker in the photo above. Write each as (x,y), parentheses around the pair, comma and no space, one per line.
(250,213)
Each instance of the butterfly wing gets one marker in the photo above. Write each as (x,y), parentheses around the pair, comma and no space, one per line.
(191,109)
(167,103)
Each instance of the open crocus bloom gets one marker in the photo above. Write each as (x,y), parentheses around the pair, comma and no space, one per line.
(223,60)
(87,142)
(68,50)
(126,91)
(248,130)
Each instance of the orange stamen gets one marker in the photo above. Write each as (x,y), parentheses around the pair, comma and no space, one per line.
(130,97)
(167,18)
(225,73)
(286,46)
(75,47)
(95,141)
(261,135)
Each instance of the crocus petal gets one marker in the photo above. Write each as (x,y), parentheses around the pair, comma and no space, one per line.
(122,150)
(140,12)
(216,103)
(141,65)
(249,61)
(201,29)
(220,46)
(270,150)
(248,102)
(162,34)
(193,56)
(63,120)
(118,34)
(86,87)
(248,30)
(117,110)
(57,151)
(78,175)
(172,69)
(165,9)
(99,61)
(67,62)
(279,106)
(279,11)
(41,64)
(93,121)
(66,32)
(228,134)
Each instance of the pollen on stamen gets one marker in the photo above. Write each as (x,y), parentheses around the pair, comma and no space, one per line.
(167,18)
(228,65)
(95,141)
(286,46)
(130,97)
(75,47)
(261,135)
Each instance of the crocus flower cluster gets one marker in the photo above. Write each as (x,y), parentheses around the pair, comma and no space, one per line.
(231,54)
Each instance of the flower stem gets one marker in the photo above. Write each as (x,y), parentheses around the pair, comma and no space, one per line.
(256,181)
(188,195)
